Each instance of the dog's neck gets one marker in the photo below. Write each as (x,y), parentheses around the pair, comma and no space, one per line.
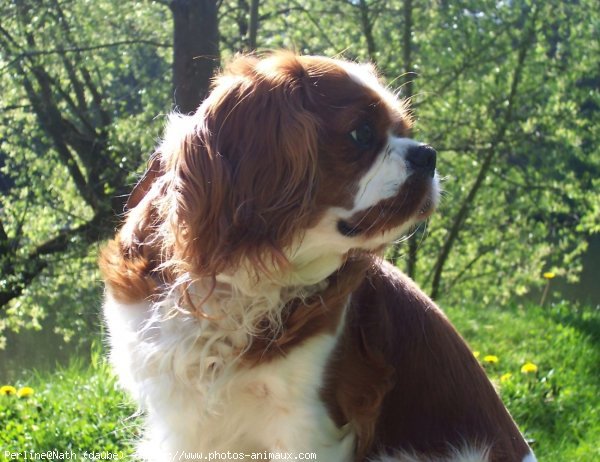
(312,314)
(263,317)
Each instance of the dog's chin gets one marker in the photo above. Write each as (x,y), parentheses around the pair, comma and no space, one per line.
(347,229)
(422,210)
(429,204)
(426,209)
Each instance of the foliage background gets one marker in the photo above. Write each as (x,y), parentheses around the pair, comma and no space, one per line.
(506,91)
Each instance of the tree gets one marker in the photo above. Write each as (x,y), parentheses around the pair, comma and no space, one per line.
(77,118)
(496,89)
(195,50)
(507,93)
(511,201)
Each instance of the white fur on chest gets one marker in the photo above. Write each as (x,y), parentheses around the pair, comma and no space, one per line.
(198,397)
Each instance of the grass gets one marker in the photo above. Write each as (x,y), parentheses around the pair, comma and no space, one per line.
(80,408)
(558,406)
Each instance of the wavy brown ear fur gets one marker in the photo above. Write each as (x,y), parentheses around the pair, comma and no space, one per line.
(225,176)
(129,262)
(234,176)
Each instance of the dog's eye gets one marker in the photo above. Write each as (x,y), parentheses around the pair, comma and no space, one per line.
(363,136)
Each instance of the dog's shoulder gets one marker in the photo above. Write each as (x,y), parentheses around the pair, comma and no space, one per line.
(394,313)
(426,390)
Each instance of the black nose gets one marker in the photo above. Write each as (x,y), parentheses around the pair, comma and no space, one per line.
(422,159)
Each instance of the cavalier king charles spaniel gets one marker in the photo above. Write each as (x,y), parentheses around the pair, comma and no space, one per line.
(248,304)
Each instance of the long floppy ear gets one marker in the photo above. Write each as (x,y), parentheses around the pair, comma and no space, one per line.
(245,172)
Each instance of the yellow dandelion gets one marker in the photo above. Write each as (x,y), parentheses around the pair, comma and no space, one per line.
(25,392)
(7,390)
(505,377)
(549,275)
(491,359)
(528,368)
(476,354)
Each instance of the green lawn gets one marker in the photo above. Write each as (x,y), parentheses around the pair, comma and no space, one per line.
(80,408)
(557,407)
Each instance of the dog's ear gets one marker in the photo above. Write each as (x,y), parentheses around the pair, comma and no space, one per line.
(245,171)
(144,184)
(129,262)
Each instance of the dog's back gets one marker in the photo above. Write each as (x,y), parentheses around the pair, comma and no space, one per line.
(427,390)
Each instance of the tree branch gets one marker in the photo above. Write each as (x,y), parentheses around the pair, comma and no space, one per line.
(93,145)
(16,280)
(484,251)
(463,212)
(316,23)
(408,87)
(52,121)
(367,27)
(79,49)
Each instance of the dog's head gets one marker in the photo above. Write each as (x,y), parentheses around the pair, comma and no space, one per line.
(289,157)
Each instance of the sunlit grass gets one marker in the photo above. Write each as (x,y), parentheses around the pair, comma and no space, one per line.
(78,408)
(547,372)
(545,362)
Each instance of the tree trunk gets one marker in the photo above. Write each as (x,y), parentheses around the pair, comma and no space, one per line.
(408,92)
(527,41)
(195,51)
(253,29)
(367,26)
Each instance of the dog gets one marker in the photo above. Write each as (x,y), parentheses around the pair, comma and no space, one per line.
(248,305)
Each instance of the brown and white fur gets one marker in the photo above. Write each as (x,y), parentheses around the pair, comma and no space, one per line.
(248,305)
